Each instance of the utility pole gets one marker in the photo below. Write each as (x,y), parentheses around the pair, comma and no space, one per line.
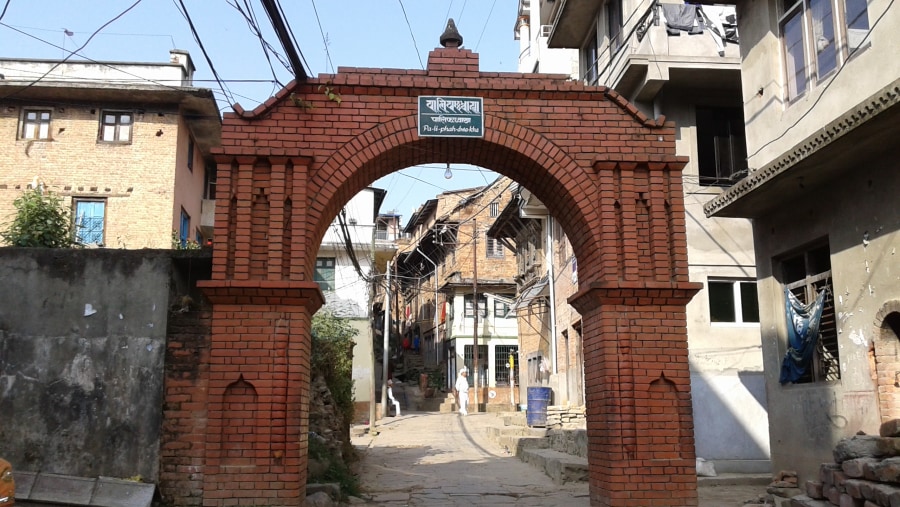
(387,333)
(475,306)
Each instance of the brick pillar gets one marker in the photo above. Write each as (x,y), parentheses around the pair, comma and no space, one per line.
(639,420)
(258,403)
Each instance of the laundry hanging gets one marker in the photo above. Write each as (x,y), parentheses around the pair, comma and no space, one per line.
(803,335)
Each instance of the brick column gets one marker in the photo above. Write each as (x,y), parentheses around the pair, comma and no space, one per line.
(639,419)
(258,411)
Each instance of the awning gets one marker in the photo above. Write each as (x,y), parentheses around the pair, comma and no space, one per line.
(540,289)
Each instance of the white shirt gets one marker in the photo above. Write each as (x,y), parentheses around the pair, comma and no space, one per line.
(462,384)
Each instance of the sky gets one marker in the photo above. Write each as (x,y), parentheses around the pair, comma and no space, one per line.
(329,33)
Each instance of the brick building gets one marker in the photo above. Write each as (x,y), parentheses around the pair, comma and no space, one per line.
(450,258)
(124,144)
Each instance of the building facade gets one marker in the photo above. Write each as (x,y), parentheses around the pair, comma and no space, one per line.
(350,265)
(126,145)
(451,259)
(680,62)
(821,89)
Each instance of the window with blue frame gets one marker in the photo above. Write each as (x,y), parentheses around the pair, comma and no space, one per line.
(90,219)
(185,230)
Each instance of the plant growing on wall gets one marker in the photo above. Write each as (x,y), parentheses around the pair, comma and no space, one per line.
(332,357)
(41,220)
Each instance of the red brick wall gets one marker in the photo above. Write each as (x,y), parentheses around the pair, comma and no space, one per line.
(607,174)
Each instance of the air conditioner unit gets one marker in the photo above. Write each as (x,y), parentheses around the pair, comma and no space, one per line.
(545,30)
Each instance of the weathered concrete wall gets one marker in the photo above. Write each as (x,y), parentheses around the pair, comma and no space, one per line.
(860,219)
(82,343)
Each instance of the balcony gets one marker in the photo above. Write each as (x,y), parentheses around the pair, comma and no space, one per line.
(650,53)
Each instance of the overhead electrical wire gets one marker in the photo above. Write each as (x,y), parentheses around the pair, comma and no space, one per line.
(324,37)
(212,68)
(250,19)
(6,6)
(411,34)
(486,20)
(71,53)
(293,38)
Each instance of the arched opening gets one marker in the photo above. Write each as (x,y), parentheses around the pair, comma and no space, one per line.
(605,172)
(887,360)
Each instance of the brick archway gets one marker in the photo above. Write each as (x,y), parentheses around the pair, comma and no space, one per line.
(607,173)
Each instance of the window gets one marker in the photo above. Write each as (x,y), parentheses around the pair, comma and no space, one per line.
(494,209)
(589,56)
(817,37)
(190,154)
(501,309)
(804,275)
(492,247)
(614,25)
(115,127)
(209,181)
(35,124)
(324,274)
(184,232)
(482,306)
(733,301)
(502,371)
(721,147)
(90,218)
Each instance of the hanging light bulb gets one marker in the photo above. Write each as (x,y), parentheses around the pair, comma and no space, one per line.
(448,174)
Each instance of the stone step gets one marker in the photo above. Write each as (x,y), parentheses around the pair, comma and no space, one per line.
(559,466)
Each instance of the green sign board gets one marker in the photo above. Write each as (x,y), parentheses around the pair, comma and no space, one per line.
(451,116)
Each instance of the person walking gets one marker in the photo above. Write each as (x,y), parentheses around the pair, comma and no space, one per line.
(462,390)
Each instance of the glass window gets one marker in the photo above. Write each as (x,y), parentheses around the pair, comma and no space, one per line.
(614,24)
(733,301)
(324,274)
(190,154)
(185,228)
(115,127)
(501,309)
(469,309)
(721,145)
(817,37)
(90,219)
(35,124)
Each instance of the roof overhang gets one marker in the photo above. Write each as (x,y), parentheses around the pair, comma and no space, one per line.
(197,105)
(869,132)
(572,23)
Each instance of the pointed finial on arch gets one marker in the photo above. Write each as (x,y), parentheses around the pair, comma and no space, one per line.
(451,37)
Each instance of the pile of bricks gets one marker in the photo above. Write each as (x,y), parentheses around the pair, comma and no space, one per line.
(565,417)
(866,473)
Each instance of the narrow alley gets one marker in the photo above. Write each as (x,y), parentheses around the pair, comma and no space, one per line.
(442,459)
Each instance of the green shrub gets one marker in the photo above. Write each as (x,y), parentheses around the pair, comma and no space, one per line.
(41,221)
(332,357)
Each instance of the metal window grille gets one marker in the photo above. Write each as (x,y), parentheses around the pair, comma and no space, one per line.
(502,371)
(469,360)
(805,275)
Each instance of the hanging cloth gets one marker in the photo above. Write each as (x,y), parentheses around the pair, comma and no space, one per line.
(803,334)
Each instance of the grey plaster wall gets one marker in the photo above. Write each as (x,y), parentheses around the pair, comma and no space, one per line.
(82,343)
(860,217)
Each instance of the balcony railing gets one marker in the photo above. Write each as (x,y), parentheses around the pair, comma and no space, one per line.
(686,35)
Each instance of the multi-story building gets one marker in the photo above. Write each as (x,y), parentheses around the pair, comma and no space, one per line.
(350,266)
(124,144)
(821,95)
(682,62)
(450,259)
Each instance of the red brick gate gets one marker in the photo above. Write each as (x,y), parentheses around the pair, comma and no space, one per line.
(607,173)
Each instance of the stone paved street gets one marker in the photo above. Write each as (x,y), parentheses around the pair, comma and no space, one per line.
(440,459)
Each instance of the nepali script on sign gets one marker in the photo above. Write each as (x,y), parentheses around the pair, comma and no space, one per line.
(451,116)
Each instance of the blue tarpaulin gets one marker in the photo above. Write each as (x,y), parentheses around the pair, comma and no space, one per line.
(803,334)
